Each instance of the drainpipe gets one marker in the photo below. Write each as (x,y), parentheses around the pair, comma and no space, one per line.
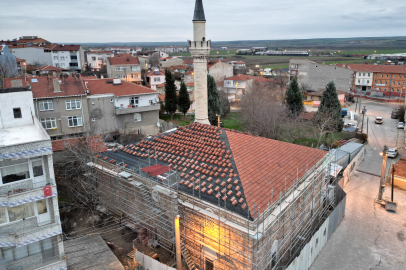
(178,253)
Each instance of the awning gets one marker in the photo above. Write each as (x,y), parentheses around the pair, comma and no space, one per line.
(156,170)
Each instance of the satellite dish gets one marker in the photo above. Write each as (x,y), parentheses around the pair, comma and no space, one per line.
(155,195)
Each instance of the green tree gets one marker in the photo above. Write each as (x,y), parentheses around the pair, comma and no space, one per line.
(183,100)
(328,117)
(294,98)
(171,100)
(213,100)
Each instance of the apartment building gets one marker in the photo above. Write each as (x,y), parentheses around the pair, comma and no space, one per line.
(30,228)
(59,105)
(68,56)
(120,50)
(386,80)
(126,68)
(316,76)
(98,58)
(172,49)
(120,105)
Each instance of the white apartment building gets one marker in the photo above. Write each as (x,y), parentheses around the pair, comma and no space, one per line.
(68,56)
(30,228)
(98,58)
(172,49)
(363,80)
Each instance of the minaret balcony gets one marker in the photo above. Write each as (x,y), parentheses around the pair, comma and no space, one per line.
(199,47)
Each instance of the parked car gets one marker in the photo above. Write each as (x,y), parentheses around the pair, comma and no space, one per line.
(378,120)
(392,153)
(394,115)
(401,125)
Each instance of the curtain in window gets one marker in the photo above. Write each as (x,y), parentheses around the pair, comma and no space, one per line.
(21,211)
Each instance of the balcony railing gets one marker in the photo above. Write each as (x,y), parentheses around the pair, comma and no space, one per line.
(135,109)
(23,186)
(29,225)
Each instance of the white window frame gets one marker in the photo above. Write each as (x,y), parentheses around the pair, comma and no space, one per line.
(157,79)
(51,121)
(137,117)
(30,169)
(55,58)
(74,102)
(46,103)
(134,68)
(78,118)
(121,68)
(62,58)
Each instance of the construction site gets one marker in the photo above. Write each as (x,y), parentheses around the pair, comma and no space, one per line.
(234,210)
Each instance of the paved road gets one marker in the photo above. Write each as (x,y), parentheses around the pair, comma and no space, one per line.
(369,237)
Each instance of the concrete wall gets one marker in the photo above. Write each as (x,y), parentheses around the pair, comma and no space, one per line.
(125,75)
(317,76)
(221,70)
(33,54)
(9,101)
(61,114)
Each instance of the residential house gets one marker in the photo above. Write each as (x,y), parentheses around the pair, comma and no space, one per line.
(155,77)
(238,64)
(21,65)
(179,68)
(120,105)
(188,77)
(236,86)
(98,58)
(30,227)
(379,80)
(313,98)
(26,40)
(119,50)
(170,61)
(315,76)
(55,71)
(71,57)
(8,64)
(126,68)
(219,70)
(60,105)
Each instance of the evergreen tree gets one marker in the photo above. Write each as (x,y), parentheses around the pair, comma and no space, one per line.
(213,100)
(171,100)
(328,116)
(183,100)
(294,98)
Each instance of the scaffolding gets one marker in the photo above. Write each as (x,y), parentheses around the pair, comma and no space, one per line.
(212,236)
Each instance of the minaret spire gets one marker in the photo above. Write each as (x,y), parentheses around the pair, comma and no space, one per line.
(199,11)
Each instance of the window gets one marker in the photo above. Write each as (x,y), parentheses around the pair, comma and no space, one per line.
(369,74)
(363,74)
(17,113)
(46,247)
(73,104)
(134,76)
(62,58)
(387,75)
(376,81)
(134,68)
(93,58)
(48,123)
(99,58)
(359,81)
(73,57)
(137,117)
(62,65)
(133,100)
(139,131)
(46,105)
(56,58)
(73,64)
(359,74)
(72,51)
(121,76)
(20,211)
(14,170)
(37,168)
(381,75)
(121,68)
(57,65)
(394,75)
(394,83)
(367,81)
(157,79)
(75,121)
(42,206)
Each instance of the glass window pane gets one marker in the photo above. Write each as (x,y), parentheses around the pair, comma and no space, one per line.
(47,244)
(20,211)
(15,173)
(79,120)
(42,207)
(34,248)
(20,252)
(37,168)
(8,254)
(41,106)
(78,104)
(3,218)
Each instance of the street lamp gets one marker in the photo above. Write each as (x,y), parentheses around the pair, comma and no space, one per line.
(25,67)
(384,155)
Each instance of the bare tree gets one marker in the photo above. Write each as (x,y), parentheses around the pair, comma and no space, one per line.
(154,59)
(304,87)
(8,67)
(278,85)
(262,114)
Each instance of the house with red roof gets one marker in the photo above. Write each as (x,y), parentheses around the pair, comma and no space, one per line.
(125,67)
(235,86)
(155,77)
(219,70)
(116,104)
(71,57)
(51,70)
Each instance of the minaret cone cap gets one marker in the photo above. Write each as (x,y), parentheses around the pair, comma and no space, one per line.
(199,11)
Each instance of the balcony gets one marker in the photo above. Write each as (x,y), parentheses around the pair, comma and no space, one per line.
(28,225)
(136,109)
(23,186)
(38,262)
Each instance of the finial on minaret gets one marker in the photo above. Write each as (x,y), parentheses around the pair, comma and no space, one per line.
(199,11)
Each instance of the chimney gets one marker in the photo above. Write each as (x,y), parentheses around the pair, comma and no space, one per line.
(128,58)
(57,87)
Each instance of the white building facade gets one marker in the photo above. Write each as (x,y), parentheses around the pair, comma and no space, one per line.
(30,228)
(68,56)
(363,80)
(98,58)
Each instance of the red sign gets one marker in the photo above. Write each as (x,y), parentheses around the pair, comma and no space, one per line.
(47,191)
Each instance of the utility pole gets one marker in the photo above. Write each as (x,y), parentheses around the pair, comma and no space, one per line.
(382,181)
(363,114)
(393,179)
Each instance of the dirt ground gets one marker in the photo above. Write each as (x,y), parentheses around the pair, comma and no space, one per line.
(119,238)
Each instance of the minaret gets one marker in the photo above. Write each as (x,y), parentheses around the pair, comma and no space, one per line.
(199,49)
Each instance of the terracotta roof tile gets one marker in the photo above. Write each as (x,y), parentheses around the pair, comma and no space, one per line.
(378,68)
(123,60)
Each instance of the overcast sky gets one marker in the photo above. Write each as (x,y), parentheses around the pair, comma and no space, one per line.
(71,21)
